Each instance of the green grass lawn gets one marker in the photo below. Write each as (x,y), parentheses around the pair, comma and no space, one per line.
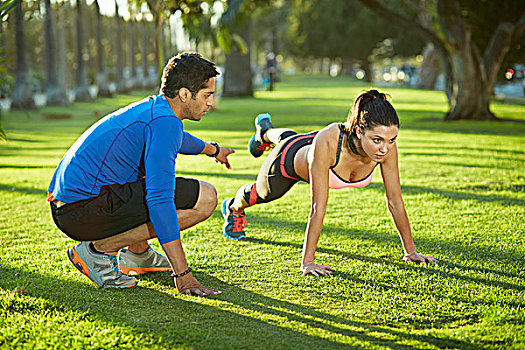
(464,190)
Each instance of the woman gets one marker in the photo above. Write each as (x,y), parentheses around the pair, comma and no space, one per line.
(340,155)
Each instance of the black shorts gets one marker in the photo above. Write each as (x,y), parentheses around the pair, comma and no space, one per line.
(117,209)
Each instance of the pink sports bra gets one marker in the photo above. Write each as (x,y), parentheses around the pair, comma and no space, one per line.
(335,181)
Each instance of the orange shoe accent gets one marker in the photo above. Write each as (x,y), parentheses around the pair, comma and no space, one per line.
(265,146)
(140,270)
(79,263)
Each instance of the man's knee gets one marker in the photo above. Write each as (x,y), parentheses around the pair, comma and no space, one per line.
(207,199)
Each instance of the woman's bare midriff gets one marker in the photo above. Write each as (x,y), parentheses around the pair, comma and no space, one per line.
(300,163)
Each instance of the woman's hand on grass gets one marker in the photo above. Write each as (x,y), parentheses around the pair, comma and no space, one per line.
(419,258)
(190,286)
(316,270)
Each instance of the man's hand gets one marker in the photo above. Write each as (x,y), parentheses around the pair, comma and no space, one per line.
(419,258)
(222,157)
(316,270)
(188,285)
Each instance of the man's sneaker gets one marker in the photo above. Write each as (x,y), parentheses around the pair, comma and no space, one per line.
(149,261)
(233,222)
(101,268)
(257,146)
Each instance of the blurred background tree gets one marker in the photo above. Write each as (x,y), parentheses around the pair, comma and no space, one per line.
(346,31)
(5,8)
(472,40)
(102,47)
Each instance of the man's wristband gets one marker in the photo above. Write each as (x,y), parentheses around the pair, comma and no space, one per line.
(217,151)
(176,275)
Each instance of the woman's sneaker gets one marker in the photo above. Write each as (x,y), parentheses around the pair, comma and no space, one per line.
(233,222)
(149,261)
(257,146)
(101,268)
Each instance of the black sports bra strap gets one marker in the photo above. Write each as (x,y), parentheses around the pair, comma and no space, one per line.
(339,144)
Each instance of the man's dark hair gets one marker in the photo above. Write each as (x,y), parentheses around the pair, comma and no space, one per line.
(186,70)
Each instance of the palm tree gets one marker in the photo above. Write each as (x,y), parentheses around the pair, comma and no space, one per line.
(119,68)
(132,52)
(144,51)
(56,94)
(22,92)
(103,87)
(5,8)
(82,90)
(238,73)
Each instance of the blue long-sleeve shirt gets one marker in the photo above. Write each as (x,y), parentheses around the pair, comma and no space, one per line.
(111,152)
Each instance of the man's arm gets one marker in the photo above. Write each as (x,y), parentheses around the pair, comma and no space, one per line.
(186,283)
(192,145)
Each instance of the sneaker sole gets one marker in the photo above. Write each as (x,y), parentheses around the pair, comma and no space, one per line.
(261,117)
(79,264)
(231,237)
(132,271)
(255,153)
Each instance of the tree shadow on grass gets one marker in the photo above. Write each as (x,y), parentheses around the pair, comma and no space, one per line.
(446,156)
(461,149)
(466,127)
(26,190)
(186,321)
(16,166)
(476,166)
(384,238)
(173,320)
(406,189)
(455,195)
(321,321)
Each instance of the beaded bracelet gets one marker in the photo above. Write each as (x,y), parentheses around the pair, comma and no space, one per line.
(176,275)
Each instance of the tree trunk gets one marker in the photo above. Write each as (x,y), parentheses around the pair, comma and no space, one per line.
(469,99)
(238,72)
(61,53)
(144,50)
(367,67)
(159,59)
(165,47)
(22,92)
(472,76)
(2,45)
(429,71)
(132,60)
(346,66)
(119,67)
(82,90)
(102,82)
(55,93)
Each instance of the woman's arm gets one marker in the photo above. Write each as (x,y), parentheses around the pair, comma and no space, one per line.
(396,206)
(319,161)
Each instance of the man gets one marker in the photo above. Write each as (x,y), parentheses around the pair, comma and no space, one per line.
(116,186)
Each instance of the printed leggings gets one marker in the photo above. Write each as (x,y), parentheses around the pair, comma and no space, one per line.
(277,174)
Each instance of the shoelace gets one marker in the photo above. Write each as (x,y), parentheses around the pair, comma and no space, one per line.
(239,221)
(114,264)
(265,146)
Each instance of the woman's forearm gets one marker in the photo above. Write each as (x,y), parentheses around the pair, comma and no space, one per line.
(400,218)
(313,232)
